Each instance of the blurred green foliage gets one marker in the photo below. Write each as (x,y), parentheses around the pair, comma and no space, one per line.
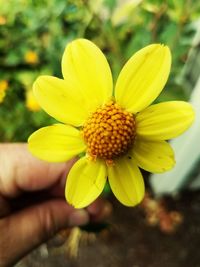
(34,33)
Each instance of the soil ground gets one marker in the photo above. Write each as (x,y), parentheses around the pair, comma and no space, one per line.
(131,242)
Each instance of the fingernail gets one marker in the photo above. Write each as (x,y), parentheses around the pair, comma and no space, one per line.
(79,217)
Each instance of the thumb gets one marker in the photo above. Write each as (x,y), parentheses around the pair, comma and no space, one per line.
(28,228)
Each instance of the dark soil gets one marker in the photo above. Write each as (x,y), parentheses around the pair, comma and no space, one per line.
(130,242)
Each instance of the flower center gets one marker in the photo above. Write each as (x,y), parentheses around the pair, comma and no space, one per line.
(109,132)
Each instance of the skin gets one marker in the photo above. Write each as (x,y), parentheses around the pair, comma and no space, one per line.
(32,204)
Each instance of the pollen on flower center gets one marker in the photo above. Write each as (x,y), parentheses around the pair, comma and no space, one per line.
(109,132)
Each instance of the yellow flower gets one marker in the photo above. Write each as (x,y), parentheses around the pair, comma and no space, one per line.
(3,20)
(31,102)
(118,133)
(3,88)
(31,57)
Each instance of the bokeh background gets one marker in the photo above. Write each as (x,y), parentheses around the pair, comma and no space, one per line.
(33,35)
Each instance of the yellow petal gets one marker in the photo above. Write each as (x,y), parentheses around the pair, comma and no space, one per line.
(153,156)
(56,143)
(143,77)
(126,181)
(85,182)
(164,121)
(84,62)
(61,100)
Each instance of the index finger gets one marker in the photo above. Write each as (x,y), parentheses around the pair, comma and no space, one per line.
(20,171)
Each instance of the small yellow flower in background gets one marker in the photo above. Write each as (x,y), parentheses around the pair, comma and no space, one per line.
(31,102)
(31,57)
(3,20)
(3,88)
(2,96)
(118,133)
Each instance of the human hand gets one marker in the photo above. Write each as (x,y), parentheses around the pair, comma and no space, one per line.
(32,203)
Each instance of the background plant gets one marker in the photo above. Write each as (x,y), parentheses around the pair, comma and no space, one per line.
(33,35)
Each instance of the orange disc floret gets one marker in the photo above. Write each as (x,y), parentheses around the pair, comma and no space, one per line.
(109,132)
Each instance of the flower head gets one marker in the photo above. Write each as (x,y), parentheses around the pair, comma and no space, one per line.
(117,129)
